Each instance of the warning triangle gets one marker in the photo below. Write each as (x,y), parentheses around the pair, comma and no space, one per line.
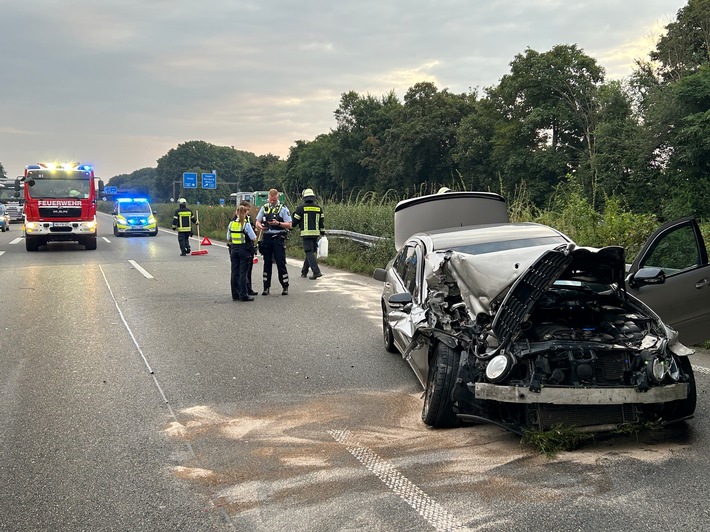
(205,242)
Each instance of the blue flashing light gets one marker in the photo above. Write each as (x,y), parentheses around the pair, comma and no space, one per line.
(132,200)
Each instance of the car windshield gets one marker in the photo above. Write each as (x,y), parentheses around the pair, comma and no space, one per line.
(493,247)
(134,208)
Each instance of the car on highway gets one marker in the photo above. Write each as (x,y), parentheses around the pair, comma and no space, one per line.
(134,216)
(4,218)
(516,325)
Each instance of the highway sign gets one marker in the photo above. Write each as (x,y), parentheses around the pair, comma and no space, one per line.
(209,180)
(189,180)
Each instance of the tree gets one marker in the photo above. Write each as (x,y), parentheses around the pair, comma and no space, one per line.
(201,157)
(550,104)
(419,146)
(685,46)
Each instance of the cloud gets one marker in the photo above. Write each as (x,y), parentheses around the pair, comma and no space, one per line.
(119,83)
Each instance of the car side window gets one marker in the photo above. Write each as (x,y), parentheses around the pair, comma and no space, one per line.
(674,251)
(400,263)
(410,277)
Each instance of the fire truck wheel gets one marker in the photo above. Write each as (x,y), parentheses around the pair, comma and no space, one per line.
(31,243)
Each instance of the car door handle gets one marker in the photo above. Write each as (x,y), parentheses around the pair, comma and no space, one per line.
(701,283)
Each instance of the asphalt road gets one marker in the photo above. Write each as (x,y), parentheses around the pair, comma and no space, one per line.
(136,395)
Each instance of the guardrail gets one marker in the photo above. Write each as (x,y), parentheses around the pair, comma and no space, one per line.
(367,240)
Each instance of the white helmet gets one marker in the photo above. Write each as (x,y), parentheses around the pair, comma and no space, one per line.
(308,193)
(182,201)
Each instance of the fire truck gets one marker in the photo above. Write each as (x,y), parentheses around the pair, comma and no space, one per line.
(60,204)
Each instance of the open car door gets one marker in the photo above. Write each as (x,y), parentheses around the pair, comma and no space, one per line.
(671,275)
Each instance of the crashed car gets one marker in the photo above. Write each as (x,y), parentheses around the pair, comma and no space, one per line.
(516,325)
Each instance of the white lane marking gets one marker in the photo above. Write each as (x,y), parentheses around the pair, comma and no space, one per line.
(425,506)
(223,512)
(140,269)
(106,240)
(17,240)
(1,252)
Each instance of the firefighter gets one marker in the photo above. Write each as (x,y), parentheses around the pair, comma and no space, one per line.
(240,238)
(183,220)
(274,222)
(309,217)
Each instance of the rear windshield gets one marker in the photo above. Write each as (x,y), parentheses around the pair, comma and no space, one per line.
(505,245)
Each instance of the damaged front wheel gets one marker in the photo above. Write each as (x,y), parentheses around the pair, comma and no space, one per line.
(438,409)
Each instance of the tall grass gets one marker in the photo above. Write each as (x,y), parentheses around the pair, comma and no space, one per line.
(372,214)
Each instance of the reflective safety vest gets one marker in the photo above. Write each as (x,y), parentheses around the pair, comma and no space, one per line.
(183,220)
(237,232)
(272,213)
(311,220)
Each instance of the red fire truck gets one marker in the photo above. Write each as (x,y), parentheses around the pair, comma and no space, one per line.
(60,204)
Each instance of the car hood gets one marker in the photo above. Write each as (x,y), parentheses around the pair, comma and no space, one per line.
(603,266)
(519,278)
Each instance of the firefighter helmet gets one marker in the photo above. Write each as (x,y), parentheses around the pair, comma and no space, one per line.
(182,201)
(308,193)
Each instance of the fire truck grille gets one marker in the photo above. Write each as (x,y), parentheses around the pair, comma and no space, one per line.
(53,212)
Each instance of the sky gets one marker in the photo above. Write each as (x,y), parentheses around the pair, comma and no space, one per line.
(119,83)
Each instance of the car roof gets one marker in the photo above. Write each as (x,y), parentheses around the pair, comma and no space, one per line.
(490,233)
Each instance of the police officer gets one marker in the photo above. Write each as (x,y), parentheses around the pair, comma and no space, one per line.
(182,223)
(240,236)
(251,248)
(274,221)
(309,217)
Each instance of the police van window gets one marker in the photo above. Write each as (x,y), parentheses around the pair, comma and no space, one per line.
(675,251)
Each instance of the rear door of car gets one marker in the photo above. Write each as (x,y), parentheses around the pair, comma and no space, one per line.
(683,299)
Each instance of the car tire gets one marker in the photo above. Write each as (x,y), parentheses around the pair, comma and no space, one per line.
(155,233)
(684,407)
(387,334)
(115,231)
(438,409)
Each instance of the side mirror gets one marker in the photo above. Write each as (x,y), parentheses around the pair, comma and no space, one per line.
(400,300)
(380,274)
(646,276)
(114,213)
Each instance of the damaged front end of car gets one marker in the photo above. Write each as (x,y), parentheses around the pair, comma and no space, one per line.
(561,343)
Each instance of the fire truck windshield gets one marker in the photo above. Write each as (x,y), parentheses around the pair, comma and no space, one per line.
(60,188)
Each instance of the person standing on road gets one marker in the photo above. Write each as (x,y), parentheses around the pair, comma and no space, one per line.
(183,220)
(309,217)
(240,238)
(274,221)
(250,290)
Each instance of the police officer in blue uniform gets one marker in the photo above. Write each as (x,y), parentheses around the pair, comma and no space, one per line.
(240,238)
(274,221)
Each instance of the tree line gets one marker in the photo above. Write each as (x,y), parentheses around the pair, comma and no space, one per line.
(552,125)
